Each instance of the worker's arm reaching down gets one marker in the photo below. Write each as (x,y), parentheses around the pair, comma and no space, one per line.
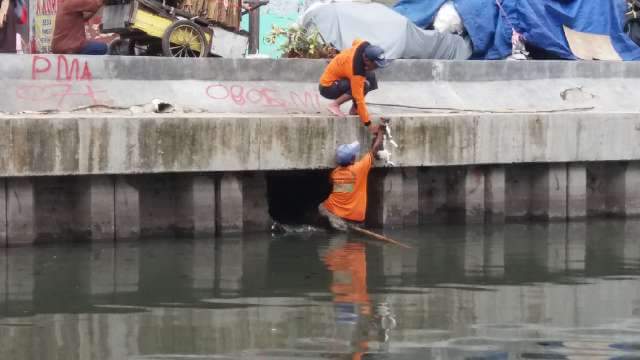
(376,143)
(350,76)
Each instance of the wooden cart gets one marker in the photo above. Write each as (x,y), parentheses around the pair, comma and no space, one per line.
(151,27)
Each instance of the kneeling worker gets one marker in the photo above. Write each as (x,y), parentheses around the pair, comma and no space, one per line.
(69,36)
(349,76)
(348,200)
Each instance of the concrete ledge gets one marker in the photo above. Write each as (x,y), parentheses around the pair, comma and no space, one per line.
(66,82)
(17,67)
(116,207)
(77,145)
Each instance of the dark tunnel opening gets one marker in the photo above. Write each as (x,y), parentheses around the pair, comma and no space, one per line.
(294,195)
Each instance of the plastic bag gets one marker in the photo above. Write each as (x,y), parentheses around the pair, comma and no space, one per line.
(448,20)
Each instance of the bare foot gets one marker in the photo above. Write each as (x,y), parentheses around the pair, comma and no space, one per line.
(353,110)
(335,110)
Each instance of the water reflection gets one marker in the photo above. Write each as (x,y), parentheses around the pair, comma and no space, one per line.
(355,317)
(517,291)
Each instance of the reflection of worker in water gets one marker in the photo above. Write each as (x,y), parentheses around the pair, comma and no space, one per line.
(348,199)
(350,76)
(348,265)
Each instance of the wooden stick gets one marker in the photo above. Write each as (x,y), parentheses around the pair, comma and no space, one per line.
(379,237)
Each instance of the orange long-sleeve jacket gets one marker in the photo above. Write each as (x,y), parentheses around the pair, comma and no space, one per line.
(349,64)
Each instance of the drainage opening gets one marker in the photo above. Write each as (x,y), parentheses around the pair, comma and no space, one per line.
(294,196)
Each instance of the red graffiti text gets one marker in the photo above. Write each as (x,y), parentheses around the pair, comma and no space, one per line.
(265,97)
(58,93)
(65,69)
(68,81)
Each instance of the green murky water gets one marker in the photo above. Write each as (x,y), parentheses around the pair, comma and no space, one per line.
(514,292)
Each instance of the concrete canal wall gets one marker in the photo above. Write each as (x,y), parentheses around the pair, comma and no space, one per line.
(114,177)
(500,141)
(258,86)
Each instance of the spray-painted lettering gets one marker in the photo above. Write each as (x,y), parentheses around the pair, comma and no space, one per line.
(264,96)
(66,70)
(57,94)
(72,81)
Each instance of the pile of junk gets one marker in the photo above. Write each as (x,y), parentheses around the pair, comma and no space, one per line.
(484,29)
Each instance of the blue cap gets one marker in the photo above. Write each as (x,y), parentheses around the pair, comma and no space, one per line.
(346,153)
(376,54)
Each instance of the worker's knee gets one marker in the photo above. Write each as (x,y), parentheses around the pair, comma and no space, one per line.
(336,222)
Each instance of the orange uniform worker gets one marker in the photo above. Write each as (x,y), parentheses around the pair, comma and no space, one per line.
(348,265)
(348,200)
(349,76)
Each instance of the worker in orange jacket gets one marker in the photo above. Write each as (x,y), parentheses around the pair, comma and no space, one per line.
(347,203)
(348,265)
(352,302)
(349,76)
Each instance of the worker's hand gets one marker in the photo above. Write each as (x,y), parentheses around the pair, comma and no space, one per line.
(374,129)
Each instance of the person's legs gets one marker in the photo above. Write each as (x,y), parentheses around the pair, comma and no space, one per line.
(334,107)
(369,85)
(336,222)
(339,92)
(93,48)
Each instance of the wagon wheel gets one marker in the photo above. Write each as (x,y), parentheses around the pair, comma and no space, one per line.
(184,38)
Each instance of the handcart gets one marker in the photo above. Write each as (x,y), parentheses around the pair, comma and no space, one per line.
(152,28)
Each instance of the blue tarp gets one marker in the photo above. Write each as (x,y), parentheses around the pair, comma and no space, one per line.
(421,12)
(539,21)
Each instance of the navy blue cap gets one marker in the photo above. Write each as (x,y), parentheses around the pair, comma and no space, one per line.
(376,54)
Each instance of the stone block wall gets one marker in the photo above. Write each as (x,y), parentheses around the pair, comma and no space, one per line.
(120,207)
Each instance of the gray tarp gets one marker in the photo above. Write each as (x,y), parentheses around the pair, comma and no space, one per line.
(340,23)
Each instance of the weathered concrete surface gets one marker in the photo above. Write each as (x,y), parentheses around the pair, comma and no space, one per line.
(202,169)
(394,198)
(196,205)
(20,206)
(95,212)
(112,144)
(65,82)
(127,208)
(549,191)
(121,207)
(432,185)
(472,192)
(255,205)
(494,193)
(229,202)
(576,191)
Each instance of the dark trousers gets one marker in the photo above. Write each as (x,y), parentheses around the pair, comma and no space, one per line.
(343,86)
(93,48)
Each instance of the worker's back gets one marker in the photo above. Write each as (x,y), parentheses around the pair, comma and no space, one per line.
(349,197)
(340,67)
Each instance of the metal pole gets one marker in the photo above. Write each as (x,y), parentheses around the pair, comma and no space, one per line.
(254,31)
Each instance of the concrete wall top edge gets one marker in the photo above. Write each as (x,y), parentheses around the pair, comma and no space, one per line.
(480,115)
(486,116)
(29,67)
(83,145)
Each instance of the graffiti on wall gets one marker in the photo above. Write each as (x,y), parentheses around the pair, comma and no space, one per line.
(264,97)
(70,83)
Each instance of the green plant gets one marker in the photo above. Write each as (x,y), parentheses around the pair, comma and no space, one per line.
(300,43)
